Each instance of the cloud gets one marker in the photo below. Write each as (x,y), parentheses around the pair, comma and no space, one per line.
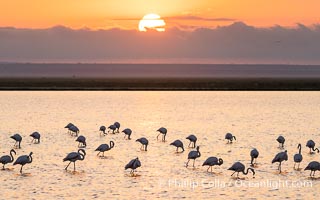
(234,43)
(197,18)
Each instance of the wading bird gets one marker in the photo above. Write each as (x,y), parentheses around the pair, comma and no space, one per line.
(254,155)
(311,144)
(103,129)
(230,137)
(127,132)
(193,155)
(178,143)
(74,130)
(73,157)
(113,128)
(280,157)
(22,160)
(117,125)
(7,159)
(68,127)
(297,158)
(35,136)
(18,140)
(192,139)
(211,161)
(281,141)
(104,147)
(82,140)
(162,131)
(313,167)
(239,167)
(144,143)
(133,165)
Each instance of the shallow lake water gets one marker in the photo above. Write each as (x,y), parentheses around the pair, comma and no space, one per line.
(255,118)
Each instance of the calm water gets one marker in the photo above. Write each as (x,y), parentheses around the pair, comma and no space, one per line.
(255,118)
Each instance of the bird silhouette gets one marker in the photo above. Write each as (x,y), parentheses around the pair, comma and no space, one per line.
(193,155)
(127,132)
(280,157)
(18,140)
(74,130)
(22,160)
(35,136)
(104,147)
(254,154)
(313,167)
(117,125)
(7,159)
(162,131)
(178,143)
(281,141)
(144,143)
(68,127)
(239,167)
(230,137)
(297,158)
(73,157)
(311,144)
(82,140)
(133,165)
(103,130)
(113,128)
(192,139)
(211,161)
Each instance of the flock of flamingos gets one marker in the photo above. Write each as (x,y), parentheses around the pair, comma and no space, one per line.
(237,167)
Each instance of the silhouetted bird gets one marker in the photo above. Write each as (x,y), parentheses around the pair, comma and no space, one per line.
(103,130)
(82,140)
(74,130)
(104,147)
(22,160)
(178,143)
(280,157)
(254,155)
(193,139)
(144,143)
(68,127)
(127,132)
(113,128)
(73,157)
(211,161)
(239,167)
(311,144)
(193,155)
(230,137)
(313,167)
(35,136)
(117,125)
(7,159)
(18,140)
(297,157)
(133,165)
(281,141)
(162,131)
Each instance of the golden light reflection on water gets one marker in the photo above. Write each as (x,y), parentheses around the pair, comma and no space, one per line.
(255,118)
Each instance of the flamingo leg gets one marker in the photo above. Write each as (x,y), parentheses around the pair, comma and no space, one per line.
(67,166)
(189,144)
(74,166)
(158,135)
(208,169)
(294,166)
(193,162)
(187,163)
(211,168)
(177,149)
(233,173)
(21,169)
(280,167)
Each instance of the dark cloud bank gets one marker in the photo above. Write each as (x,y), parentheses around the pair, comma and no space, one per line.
(228,44)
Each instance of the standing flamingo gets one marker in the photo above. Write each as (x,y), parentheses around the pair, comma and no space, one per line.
(193,155)
(297,157)
(127,132)
(178,143)
(117,125)
(280,157)
(230,137)
(239,167)
(7,159)
(133,165)
(73,157)
(311,144)
(192,139)
(144,143)
(211,161)
(162,131)
(17,137)
(104,147)
(22,160)
(35,136)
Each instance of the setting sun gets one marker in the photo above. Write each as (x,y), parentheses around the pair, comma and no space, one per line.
(152,21)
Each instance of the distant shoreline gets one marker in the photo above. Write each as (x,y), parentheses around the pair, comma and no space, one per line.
(183,84)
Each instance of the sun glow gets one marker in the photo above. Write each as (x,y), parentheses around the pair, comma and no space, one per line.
(152,21)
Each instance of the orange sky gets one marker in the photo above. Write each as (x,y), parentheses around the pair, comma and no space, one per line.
(125,13)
